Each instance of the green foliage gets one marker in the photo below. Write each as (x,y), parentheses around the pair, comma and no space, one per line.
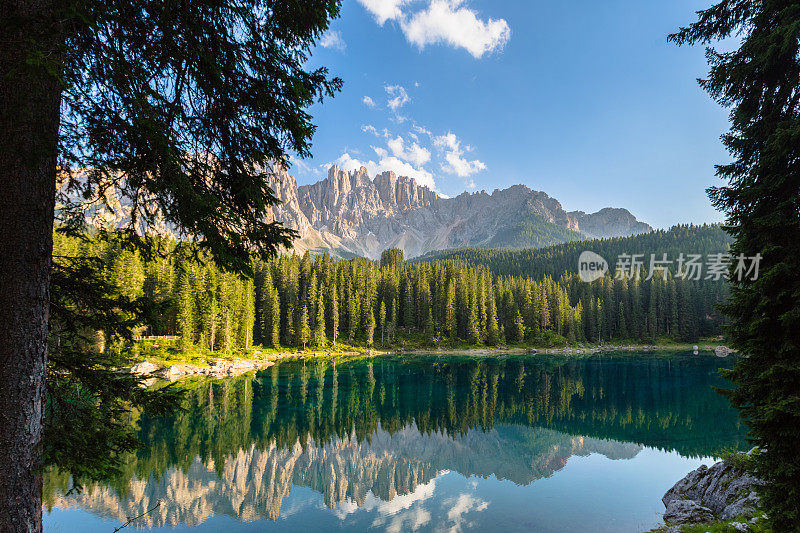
(294,300)
(89,402)
(392,257)
(553,261)
(760,82)
(183,114)
(534,231)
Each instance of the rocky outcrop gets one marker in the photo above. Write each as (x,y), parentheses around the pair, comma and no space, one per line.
(721,492)
(687,512)
(353,213)
(217,368)
(609,222)
(350,213)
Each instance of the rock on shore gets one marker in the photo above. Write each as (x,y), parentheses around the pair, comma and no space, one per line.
(721,492)
(217,368)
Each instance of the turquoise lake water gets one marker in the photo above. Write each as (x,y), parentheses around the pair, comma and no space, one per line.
(538,443)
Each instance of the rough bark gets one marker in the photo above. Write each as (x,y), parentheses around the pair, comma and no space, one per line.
(29,118)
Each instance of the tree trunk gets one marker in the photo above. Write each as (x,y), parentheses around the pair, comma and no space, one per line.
(29,120)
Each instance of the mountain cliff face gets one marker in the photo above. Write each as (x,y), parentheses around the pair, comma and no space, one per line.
(348,213)
(609,222)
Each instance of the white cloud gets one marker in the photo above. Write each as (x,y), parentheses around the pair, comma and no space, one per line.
(443,21)
(369,102)
(398,97)
(414,154)
(369,128)
(301,165)
(387,163)
(465,503)
(449,22)
(456,163)
(384,10)
(422,130)
(332,39)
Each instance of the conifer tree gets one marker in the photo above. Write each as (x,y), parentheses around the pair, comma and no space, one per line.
(450,310)
(319,329)
(492,332)
(382,321)
(519,326)
(473,326)
(303,330)
(761,82)
(370,326)
(622,323)
(334,313)
(186,311)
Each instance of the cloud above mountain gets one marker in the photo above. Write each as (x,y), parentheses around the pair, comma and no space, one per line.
(386,163)
(448,22)
(455,162)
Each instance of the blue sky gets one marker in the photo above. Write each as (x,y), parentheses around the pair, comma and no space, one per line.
(582,99)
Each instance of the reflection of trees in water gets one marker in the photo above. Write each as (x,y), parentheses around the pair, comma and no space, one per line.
(387,426)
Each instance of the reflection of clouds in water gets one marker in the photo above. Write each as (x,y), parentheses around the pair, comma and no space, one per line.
(401,513)
(398,511)
(345,508)
(408,513)
(410,520)
(459,507)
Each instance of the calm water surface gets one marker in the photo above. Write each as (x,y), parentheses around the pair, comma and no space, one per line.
(509,444)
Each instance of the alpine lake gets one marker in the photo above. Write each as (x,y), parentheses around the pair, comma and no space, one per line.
(515,443)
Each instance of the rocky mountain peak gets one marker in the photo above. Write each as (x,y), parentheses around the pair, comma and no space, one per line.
(350,213)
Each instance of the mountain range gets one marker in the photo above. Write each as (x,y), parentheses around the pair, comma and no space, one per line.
(351,214)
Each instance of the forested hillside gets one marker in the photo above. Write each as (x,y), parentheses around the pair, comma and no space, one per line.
(317,301)
(558,259)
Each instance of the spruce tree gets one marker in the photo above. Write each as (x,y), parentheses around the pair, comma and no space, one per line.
(473,326)
(450,310)
(761,82)
(492,333)
(382,322)
(186,311)
(519,326)
(334,313)
(302,328)
(370,325)
(319,327)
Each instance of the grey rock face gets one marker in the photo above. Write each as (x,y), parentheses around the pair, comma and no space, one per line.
(348,213)
(687,512)
(352,213)
(724,490)
(609,222)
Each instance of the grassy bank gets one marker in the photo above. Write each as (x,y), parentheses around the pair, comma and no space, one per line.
(169,352)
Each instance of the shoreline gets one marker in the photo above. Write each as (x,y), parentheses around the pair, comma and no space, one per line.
(221,367)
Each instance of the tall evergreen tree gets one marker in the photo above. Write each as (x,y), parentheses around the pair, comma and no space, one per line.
(274,323)
(370,325)
(761,82)
(319,327)
(334,313)
(186,310)
(302,328)
(382,322)
(178,131)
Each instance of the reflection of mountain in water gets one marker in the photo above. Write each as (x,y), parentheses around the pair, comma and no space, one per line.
(388,427)
(254,482)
